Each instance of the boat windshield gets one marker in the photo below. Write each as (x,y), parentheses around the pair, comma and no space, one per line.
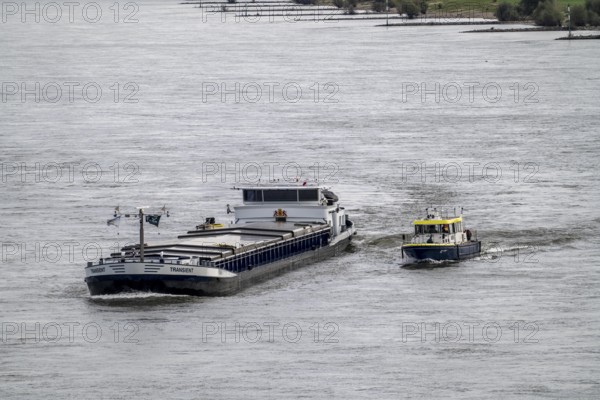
(424,229)
(279,195)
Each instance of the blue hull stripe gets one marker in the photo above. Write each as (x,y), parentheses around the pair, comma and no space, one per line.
(442,253)
(135,277)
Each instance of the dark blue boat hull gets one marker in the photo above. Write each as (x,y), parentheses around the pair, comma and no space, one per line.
(443,253)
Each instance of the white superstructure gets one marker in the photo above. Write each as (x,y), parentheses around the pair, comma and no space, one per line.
(291,203)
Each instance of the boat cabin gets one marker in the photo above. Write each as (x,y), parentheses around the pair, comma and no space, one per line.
(298,194)
(447,226)
(280,195)
(435,229)
(300,203)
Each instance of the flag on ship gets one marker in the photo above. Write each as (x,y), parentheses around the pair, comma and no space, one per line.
(153,219)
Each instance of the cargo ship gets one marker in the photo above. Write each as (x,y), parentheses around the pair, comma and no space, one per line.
(278,228)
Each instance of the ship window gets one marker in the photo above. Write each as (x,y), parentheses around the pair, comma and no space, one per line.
(253,195)
(308,195)
(281,195)
(432,229)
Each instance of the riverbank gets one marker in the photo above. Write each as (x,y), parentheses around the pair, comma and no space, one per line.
(532,29)
(439,13)
(579,37)
(435,23)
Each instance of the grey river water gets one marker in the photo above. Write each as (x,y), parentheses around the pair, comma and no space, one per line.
(180,106)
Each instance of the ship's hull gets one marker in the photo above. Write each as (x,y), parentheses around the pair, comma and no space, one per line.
(442,252)
(197,285)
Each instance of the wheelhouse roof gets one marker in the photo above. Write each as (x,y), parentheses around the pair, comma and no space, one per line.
(437,221)
(280,187)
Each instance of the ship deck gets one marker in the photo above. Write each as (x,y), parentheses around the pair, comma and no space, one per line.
(215,244)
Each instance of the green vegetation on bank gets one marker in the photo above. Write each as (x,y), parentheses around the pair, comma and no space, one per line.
(549,12)
(446,5)
(542,12)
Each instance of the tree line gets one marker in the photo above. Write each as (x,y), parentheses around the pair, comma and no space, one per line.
(548,13)
(542,12)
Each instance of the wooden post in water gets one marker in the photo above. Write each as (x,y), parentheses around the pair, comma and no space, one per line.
(141,235)
(569,11)
(387,13)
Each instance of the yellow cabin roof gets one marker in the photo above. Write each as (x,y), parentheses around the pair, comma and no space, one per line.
(437,221)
